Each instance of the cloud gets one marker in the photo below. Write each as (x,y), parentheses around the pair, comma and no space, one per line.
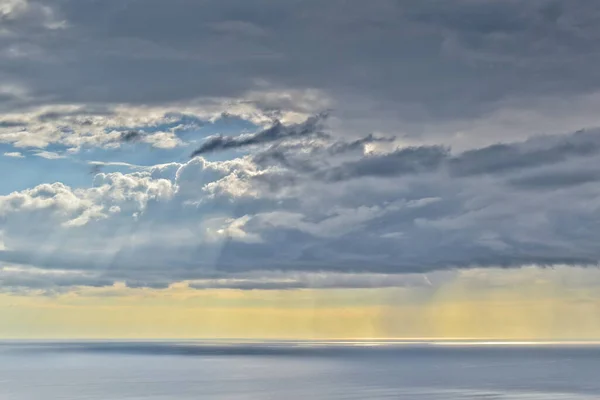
(115,164)
(77,112)
(73,208)
(500,159)
(556,179)
(163,140)
(49,155)
(14,154)
(226,224)
(277,132)
(16,15)
(447,78)
(532,153)
(19,278)
(286,281)
(358,145)
(130,136)
(11,124)
(83,127)
(404,161)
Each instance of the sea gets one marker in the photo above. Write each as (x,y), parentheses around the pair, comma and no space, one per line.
(170,370)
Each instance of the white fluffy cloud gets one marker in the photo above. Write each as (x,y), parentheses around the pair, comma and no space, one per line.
(14,154)
(48,208)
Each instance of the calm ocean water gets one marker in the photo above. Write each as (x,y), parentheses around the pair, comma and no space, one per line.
(193,370)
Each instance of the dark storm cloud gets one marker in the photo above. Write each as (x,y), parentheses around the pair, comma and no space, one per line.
(556,179)
(410,60)
(84,112)
(130,136)
(500,159)
(533,153)
(400,162)
(26,279)
(277,132)
(147,284)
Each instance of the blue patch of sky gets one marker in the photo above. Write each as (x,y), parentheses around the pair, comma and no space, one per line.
(23,173)
(75,170)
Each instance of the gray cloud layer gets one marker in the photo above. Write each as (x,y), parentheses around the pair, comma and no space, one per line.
(497,159)
(277,132)
(384,65)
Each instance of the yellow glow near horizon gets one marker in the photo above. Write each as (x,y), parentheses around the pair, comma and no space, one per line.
(526,304)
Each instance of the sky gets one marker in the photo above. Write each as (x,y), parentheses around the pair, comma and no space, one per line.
(300,169)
